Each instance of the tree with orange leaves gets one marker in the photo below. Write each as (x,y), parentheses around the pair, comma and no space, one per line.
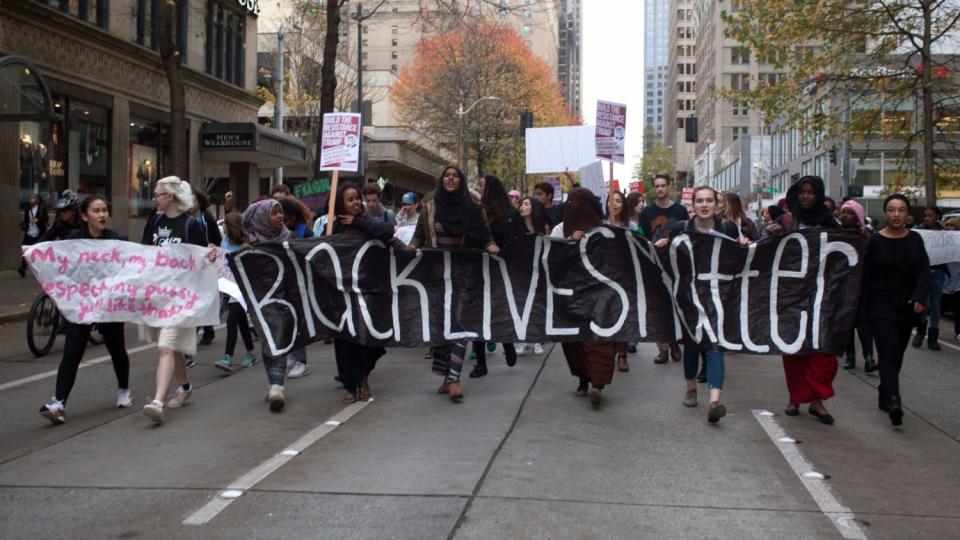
(476,60)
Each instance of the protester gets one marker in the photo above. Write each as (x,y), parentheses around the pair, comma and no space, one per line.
(296,218)
(534,217)
(320,223)
(67,218)
(544,193)
(505,224)
(34,224)
(372,199)
(409,210)
(809,376)
(951,285)
(514,197)
(280,191)
(263,222)
(657,220)
(851,216)
(705,221)
(592,362)
(94,212)
(618,215)
(721,209)
(734,213)
(453,218)
(635,203)
(831,205)
(896,283)
(212,237)
(233,240)
(172,224)
(929,324)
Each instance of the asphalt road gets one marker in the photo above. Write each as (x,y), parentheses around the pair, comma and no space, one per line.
(521,457)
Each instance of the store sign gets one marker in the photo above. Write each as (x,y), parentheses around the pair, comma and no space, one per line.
(230,141)
(253,6)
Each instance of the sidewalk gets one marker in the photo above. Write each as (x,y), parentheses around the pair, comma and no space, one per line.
(16,295)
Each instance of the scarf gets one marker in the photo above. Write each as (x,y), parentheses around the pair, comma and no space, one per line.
(582,212)
(256,223)
(458,214)
(818,214)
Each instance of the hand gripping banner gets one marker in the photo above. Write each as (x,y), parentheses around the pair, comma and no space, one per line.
(794,294)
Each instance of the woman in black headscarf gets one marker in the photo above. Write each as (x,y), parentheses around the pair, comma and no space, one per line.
(590,361)
(452,217)
(809,376)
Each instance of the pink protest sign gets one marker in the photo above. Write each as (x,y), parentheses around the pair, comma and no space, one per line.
(611,127)
(340,144)
(94,281)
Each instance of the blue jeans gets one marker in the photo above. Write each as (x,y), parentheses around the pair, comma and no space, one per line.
(715,366)
(933,301)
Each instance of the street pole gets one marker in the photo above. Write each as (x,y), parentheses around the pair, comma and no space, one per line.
(278,102)
(460,150)
(360,168)
(845,147)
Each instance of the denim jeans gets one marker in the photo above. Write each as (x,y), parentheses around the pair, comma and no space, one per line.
(715,366)
(933,301)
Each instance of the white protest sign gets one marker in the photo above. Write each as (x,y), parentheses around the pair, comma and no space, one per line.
(114,281)
(611,128)
(340,144)
(942,246)
(405,233)
(559,149)
(591,177)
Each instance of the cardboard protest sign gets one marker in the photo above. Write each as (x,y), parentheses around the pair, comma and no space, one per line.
(610,131)
(591,177)
(942,246)
(94,281)
(559,149)
(340,145)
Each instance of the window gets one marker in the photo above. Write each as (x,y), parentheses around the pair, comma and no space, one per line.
(393,55)
(95,12)
(393,68)
(738,131)
(226,42)
(393,29)
(149,161)
(739,55)
(144,30)
(393,42)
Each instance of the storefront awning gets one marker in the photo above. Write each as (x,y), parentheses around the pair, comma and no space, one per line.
(250,143)
(24,94)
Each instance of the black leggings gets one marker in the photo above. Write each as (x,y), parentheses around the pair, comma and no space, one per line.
(237,320)
(76,345)
(892,338)
(865,334)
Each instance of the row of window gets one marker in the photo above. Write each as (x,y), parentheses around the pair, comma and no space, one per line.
(685,68)
(686,104)
(687,86)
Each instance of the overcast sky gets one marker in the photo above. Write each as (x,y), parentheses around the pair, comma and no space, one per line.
(613,69)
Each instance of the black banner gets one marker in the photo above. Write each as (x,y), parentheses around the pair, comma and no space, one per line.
(794,294)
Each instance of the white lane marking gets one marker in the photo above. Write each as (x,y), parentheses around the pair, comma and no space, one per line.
(249,479)
(841,516)
(86,363)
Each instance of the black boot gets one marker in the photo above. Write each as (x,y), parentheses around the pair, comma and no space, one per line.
(921,331)
(850,361)
(869,364)
(481,368)
(894,410)
(933,339)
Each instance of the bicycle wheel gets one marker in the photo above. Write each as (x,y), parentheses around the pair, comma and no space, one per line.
(42,325)
(96,338)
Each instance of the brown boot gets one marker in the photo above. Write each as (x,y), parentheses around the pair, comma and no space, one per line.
(444,388)
(662,357)
(622,364)
(456,393)
(675,352)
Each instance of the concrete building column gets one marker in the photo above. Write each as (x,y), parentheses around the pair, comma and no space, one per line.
(10,215)
(120,165)
(244,183)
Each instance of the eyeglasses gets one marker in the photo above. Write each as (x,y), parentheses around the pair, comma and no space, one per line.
(160,194)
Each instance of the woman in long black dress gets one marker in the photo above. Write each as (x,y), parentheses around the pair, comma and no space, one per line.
(354,361)
(896,282)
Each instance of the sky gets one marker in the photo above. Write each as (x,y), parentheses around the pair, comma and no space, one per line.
(613,69)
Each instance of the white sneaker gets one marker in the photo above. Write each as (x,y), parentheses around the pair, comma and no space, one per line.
(537,348)
(298,370)
(54,411)
(154,411)
(275,397)
(521,349)
(179,397)
(124,399)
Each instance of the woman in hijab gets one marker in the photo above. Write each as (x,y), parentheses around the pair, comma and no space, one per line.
(355,361)
(591,362)
(809,376)
(263,223)
(452,218)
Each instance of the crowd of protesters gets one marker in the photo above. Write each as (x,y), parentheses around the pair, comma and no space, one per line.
(900,297)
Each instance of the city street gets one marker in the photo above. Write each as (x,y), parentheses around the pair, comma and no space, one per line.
(521,457)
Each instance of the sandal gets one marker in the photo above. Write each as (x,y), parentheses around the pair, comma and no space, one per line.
(349,398)
(364,393)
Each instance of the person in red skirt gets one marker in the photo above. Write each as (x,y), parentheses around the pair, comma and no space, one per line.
(809,376)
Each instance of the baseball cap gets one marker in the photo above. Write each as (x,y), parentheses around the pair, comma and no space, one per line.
(408,198)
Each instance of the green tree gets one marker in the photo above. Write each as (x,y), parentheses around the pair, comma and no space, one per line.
(860,70)
(660,158)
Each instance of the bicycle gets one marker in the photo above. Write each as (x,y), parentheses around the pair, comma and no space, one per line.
(44,324)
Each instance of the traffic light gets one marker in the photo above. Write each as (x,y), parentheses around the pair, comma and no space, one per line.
(833,155)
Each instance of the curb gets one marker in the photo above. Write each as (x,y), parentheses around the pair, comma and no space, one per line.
(16,316)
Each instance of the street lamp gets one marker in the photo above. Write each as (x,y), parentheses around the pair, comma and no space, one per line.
(460,114)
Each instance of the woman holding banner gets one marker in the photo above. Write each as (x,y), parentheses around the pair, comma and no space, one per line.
(705,221)
(94,212)
(534,217)
(590,361)
(896,282)
(172,224)
(354,361)
(618,215)
(453,218)
(809,376)
(233,240)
